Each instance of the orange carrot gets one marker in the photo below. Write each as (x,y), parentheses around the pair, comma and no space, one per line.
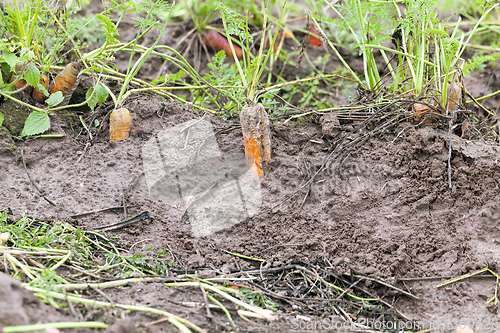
(424,115)
(257,136)
(214,40)
(288,33)
(37,94)
(19,81)
(314,36)
(66,80)
(119,124)
(421,113)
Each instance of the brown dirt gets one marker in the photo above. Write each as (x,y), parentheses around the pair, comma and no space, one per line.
(391,216)
(387,212)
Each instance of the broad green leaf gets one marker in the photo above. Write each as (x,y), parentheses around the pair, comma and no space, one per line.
(32,75)
(102,93)
(36,123)
(96,123)
(10,58)
(44,91)
(1,119)
(55,98)
(99,97)
(6,69)
(93,100)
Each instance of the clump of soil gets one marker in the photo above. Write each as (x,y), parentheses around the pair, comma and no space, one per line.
(386,212)
(20,307)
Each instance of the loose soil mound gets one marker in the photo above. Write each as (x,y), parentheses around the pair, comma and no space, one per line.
(386,211)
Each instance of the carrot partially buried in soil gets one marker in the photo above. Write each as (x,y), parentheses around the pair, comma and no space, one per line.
(314,36)
(424,115)
(66,80)
(257,136)
(19,82)
(119,124)
(214,40)
(37,94)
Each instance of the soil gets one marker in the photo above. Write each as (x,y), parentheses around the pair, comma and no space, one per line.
(387,212)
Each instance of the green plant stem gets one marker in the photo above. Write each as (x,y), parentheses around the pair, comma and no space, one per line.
(141,308)
(238,66)
(34,22)
(324,76)
(43,327)
(23,267)
(110,284)
(73,105)
(338,55)
(483,97)
(257,71)
(113,97)
(20,23)
(85,126)
(244,256)
(223,308)
(111,48)
(461,51)
(22,103)
(50,136)
(468,275)
(184,65)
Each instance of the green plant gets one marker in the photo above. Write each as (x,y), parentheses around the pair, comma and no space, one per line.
(86,29)
(428,57)
(34,252)
(258,299)
(221,75)
(30,46)
(144,262)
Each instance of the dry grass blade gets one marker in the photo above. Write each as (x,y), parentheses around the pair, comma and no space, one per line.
(262,312)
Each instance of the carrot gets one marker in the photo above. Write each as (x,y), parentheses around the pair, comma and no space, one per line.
(66,80)
(257,136)
(288,33)
(279,37)
(421,113)
(314,36)
(454,96)
(37,94)
(19,82)
(424,115)
(119,124)
(214,40)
